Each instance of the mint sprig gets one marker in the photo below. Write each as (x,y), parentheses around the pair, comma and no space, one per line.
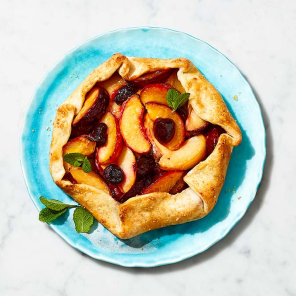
(48,215)
(78,160)
(54,204)
(83,220)
(175,99)
(54,208)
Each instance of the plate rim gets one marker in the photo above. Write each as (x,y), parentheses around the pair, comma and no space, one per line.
(139,263)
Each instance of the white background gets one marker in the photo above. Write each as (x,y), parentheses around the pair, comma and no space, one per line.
(258,255)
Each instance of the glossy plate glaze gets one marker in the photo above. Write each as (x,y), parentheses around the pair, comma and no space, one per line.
(170,244)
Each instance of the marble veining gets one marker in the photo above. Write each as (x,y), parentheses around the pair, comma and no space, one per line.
(258,256)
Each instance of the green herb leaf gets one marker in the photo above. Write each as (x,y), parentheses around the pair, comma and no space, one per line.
(175,99)
(83,220)
(183,98)
(55,205)
(171,97)
(86,166)
(74,158)
(77,163)
(47,215)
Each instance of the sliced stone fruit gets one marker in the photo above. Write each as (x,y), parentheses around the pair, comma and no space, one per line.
(112,84)
(155,111)
(131,126)
(111,150)
(190,154)
(194,124)
(95,105)
(163,182)
(175,82)
(91,179)
(127,162)
(178,187)
(155,93)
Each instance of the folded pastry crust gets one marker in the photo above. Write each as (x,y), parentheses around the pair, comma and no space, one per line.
(155,210)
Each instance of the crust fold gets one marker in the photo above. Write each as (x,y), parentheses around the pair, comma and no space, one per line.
(147,212)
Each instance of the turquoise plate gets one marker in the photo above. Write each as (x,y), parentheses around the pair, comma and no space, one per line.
(170,244)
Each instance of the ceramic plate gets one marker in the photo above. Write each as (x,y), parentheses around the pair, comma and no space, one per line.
(170,244)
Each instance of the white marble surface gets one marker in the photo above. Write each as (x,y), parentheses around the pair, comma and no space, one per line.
(258,257)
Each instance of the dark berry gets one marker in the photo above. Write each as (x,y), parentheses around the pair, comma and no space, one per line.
(164,129)
(145,166)
(80,130)
(114,174)
(99,134)
(115,192)
(123,93)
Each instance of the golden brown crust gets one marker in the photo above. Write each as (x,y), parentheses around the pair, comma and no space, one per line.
(159,209)
(60,135)
(146,212)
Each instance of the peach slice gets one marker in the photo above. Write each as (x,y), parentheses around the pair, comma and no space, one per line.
(155,93)
(131,126)
(127,162)
(118,88)
(178,187)
(115,110)
(152,77)
(194,124)
(175,82)
(157,149)
(78,145)
(95,105)
(156,110)
(111,150)
(190,154)
(113,84)
(91,179)
(163,182)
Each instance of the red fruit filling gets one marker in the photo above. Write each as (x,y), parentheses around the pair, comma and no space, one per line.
(212,138)
(123,93)
(99,134)
(149,176)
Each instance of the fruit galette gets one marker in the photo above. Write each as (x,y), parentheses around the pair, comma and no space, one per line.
(143,143)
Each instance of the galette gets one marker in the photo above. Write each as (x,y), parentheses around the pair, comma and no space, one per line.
(143,143)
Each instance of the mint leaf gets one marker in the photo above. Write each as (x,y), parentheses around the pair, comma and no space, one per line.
(83,220)
(55,205)
(175,99)
(74,158)
(47,215)
(86,166)
(171,97)
(183,98)
(77,163)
